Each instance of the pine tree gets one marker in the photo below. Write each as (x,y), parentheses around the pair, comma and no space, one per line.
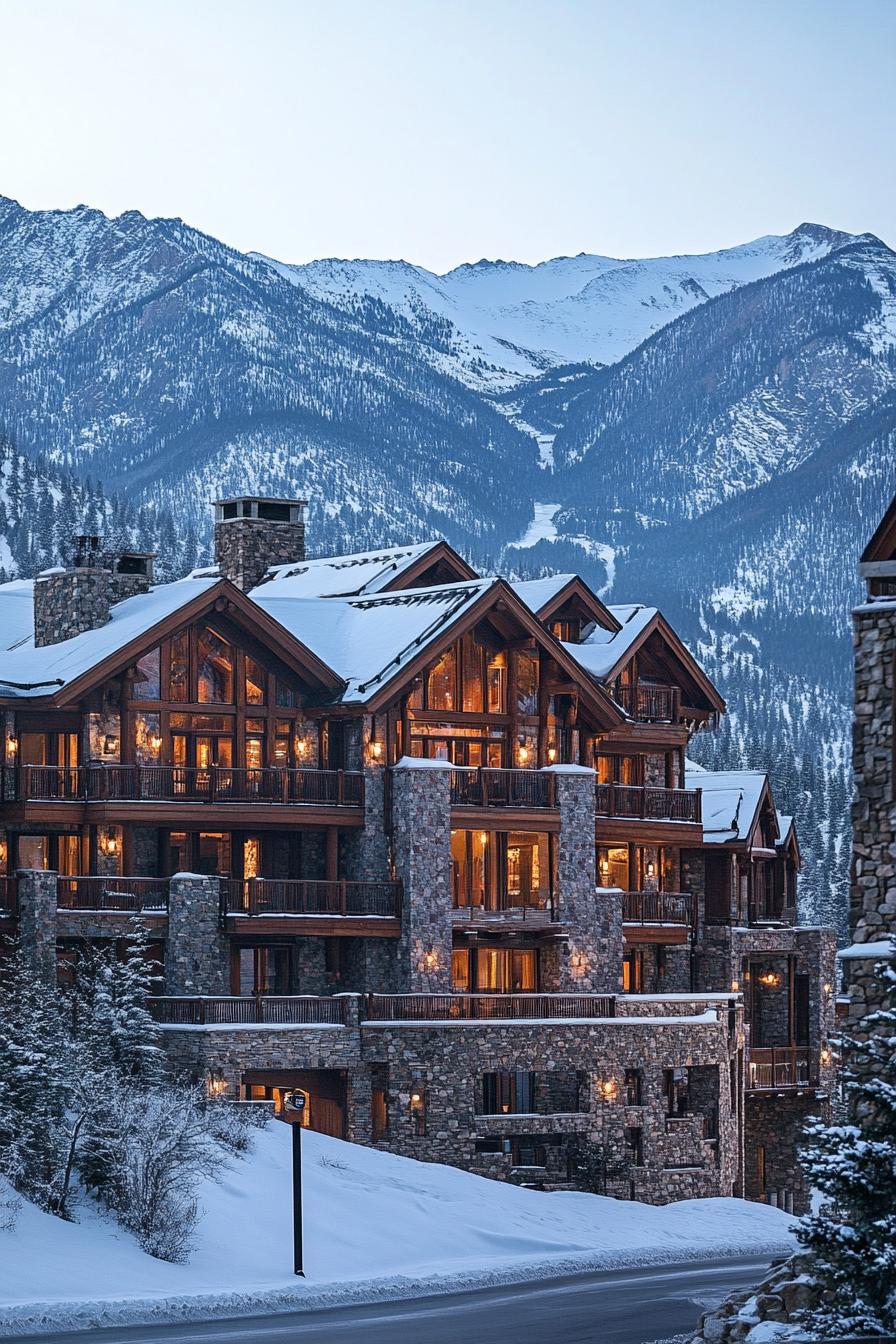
(853,1238)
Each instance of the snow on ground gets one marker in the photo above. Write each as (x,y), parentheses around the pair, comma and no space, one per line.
(541,528)
(376,1226)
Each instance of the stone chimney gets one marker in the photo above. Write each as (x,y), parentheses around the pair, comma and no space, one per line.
(252,534)
(69,601)
(131,573)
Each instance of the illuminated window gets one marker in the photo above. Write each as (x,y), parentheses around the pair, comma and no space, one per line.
(179,668)
(215,669)
(148,682)
(441,682)
(497,684)
(527,684)
(256,680)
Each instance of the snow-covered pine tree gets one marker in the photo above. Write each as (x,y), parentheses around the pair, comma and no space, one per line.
(34,1065)
(852,1239)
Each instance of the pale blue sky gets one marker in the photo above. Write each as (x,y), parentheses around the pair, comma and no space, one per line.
(444,132)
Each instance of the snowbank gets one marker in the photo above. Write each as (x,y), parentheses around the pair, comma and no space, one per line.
(375,1226)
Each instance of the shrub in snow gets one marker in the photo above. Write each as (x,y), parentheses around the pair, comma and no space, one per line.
(852,1239)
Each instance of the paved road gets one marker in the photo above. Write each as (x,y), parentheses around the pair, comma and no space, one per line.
(630,1306)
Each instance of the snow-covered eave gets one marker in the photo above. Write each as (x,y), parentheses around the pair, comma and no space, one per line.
(881,949)
(708,1018)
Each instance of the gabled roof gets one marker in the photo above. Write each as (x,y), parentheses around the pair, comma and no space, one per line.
(377,643)
(731,802)
(882,545)
(550,595)
(787,837)
(364,572)
(66,670)
(605,652)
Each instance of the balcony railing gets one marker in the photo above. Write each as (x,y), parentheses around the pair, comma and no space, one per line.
(771,910)
(650,702)
(295,1010)
(276,896)
(531,915)
(647,802)
(486,787)
(187,784)
(131,894)
(487,1007)
(780,1066)
(656,907)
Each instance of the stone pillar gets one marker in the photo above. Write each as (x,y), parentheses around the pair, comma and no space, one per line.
(585,963)
(872,905)
(196,953)
(37,920)
(421,837)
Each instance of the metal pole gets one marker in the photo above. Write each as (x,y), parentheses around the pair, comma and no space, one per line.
(297,1195)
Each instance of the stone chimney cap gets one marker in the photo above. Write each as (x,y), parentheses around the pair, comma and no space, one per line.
(262,507)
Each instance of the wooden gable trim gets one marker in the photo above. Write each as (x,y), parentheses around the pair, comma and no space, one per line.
(659,624)
(790,844)
(882,545)
(222,596)
(577,587)
(439,553)
(765,802)
(501,596)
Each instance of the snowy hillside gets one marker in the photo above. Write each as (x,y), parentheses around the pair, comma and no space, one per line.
(376,1225)
(510,320)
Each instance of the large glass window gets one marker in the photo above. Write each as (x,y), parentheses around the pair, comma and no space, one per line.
(510,1093)
(613,866)
(527,684)
(469,859)
(441,682)
(497,684)
(524,876)
(179,667)
(34,851)
(148,682)
(504,971)
(256,680)
(472,663)
(213,853)
(215,669)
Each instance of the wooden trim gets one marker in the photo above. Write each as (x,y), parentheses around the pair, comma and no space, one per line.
(312,926)
(615,831)
(659,625)
(577,587)
(231,600)
(882,545)
(439,552)
(636,934)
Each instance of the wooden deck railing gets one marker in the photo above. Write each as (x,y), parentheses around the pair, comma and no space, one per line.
(533,915)
(486,1007)
(781,1066)
(640,802)
(296,896)
(188,784)
(487,787)
(656,907)
(294,1010)
(134,894)
(650,702)
(771,911)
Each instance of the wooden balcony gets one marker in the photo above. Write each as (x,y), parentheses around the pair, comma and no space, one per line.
(650,702)
(640,802)
(109,793)
(656,907)
(279,1010)
(131,895)
(771,912)
(331,909)
(512,918)
(781,1068)
(486,787)
(487,1007)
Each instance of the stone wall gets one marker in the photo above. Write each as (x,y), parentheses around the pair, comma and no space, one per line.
(245,548)
(196,953)
(68,602)
(592,957)
(872,914)
(774,1123)
(37,921)
(421,817)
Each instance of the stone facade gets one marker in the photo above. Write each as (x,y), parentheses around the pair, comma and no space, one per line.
(772,1130)
(68,602)
(421,838)
(37,920)
(246,548)
(588,962)
(196,952)
(873,891)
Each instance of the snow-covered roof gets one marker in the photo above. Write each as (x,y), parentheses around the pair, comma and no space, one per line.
(603,649)
(784,824)
(536,593)
(730,802)
(366,640)
(343,575)
(16,612)
(26,670)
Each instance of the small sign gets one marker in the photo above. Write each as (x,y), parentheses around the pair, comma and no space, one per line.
(295,1101)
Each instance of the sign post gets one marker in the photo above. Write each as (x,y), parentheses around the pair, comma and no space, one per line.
(295,1103)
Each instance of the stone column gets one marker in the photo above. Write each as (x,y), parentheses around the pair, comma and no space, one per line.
(589,963)
(421,837)
(37,920)
(872,903)
(196,953)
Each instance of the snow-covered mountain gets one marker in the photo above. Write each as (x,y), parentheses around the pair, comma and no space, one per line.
(716,434)
(510,320)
